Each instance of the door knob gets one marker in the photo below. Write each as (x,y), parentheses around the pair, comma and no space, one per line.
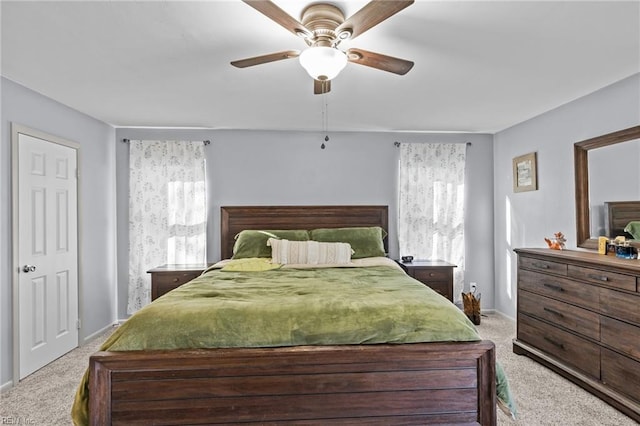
(28,268)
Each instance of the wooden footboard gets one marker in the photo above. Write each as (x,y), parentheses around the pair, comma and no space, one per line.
(442,383)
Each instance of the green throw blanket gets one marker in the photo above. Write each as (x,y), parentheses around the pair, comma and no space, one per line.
(290,307)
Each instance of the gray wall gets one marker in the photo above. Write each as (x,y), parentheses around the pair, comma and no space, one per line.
(97,209)
(289,168)
(524,219)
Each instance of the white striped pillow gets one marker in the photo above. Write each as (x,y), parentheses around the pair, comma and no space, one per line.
(309,252)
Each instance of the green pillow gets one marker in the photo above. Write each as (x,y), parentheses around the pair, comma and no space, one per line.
(365,241)
(634,229)
(253,243)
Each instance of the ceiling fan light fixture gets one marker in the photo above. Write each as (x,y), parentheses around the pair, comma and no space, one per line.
(323,63)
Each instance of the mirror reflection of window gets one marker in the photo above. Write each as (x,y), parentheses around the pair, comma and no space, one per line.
(614,175)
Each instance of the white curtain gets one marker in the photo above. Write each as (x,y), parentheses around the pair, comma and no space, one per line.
(431,204)
(167,210)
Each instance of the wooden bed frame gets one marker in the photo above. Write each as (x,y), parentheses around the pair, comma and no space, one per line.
(617,214)
(419,383)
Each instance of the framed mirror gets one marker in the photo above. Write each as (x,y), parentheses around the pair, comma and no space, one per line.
(581,150)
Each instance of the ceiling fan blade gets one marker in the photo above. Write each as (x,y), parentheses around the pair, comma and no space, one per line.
(271,57)
(379,61)
(272,11)
(371,15)
(321,86)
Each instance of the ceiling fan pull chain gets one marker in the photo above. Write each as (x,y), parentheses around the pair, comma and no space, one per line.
(325,119)
(326,116)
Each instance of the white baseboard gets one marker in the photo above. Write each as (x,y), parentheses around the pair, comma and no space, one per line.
(92,336)
(6,386)
(505,316)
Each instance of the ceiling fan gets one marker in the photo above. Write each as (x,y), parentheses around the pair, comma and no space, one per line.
(323,27)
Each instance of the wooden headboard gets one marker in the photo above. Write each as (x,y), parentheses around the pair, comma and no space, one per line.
(236,219)
(617,214)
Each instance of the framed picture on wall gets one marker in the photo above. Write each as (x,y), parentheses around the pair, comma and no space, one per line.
(525,176)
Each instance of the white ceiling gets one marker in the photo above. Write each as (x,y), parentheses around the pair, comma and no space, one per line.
(480,66)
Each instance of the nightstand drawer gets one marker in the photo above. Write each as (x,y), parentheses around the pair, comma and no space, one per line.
(175,279)
(168,277)
(164,282)
(436,274)
(428,275)
(442,288)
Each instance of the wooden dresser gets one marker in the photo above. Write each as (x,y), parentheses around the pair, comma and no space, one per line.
(436,274)
(579,314)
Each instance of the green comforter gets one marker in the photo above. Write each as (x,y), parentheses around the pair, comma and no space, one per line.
(288,307)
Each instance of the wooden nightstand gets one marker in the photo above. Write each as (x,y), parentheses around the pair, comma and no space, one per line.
(167,277)
(436,274)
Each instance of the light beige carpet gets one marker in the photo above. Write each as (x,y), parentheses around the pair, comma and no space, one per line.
(543,397)
(44,398)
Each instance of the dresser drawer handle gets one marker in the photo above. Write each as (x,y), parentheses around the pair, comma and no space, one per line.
(560,314)
(598,277)
(554,343)
(175,280)
(540,265)
(553,287)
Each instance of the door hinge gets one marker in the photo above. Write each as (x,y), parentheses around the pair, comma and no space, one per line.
(78,324)
(77,173)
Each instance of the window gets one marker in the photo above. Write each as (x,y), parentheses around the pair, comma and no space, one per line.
(431,204)
(167,210)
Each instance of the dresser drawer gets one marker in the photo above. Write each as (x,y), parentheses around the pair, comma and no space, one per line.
(566,347)
(584,295)
(568,316)
(621,373)
(546,266)
(621,305)
(621,336)
(595,276)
